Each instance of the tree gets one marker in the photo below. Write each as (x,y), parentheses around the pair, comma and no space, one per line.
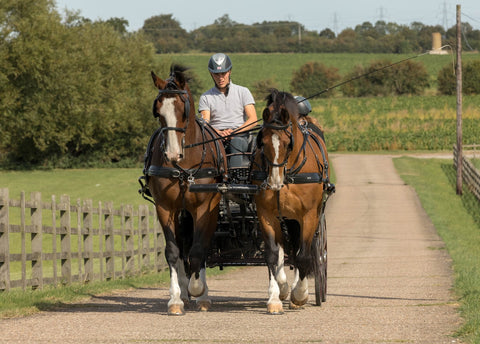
(313,77)
(166,34)
(327,33)
(119,24)
(73,91)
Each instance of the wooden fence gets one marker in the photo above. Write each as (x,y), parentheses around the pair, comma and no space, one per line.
(60,243)
(470,175)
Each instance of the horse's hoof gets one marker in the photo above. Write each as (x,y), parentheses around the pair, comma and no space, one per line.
(196,288)
(294,303)
(176,310)
(275,309)
(284,290)
(294,306)
(204,306)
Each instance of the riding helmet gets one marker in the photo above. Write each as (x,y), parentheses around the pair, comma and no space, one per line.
(304,107)
(219,63)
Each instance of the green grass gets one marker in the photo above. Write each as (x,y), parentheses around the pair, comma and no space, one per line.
(18,303)
(250,68)
(457,220)
(118,184)
(425,122)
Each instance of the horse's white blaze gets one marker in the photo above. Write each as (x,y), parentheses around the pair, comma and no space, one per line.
(175,291)
(167,111)
(276,182)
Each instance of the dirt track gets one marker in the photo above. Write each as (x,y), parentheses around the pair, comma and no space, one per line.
(389,282)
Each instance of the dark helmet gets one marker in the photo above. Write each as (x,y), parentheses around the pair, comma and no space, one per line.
(219,63)
(304,107)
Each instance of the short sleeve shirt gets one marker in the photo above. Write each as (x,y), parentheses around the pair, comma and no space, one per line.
(226,111)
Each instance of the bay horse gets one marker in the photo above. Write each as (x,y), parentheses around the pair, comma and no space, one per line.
(182,152)
(290,164)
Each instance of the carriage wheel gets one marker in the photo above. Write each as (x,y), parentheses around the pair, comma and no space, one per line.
(321,275)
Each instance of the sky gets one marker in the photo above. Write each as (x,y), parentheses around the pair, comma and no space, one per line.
(315,15)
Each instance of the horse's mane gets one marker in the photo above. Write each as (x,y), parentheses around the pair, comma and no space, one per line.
(278,98)
(179,73)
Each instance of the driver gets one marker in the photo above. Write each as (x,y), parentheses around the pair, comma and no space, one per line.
(228,108)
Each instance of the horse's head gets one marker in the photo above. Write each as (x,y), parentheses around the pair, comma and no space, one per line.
(276,137)
(173,107)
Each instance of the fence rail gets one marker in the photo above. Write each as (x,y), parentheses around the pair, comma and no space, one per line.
(470,175)
(60,242)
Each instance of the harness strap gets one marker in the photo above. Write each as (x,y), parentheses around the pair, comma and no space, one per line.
(171,172)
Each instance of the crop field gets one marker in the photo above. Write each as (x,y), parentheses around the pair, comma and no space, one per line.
(426,122)
(250,68)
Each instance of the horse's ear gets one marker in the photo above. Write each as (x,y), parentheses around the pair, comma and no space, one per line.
(159,83)
(284,115)
(266,115)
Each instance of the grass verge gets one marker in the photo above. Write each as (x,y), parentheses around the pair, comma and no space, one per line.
(457,220)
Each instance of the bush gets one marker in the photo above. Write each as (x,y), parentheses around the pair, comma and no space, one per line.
(447,83)
(382,79)
(261,88)
(314,77)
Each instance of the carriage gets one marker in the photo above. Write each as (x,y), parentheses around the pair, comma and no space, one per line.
(216,216)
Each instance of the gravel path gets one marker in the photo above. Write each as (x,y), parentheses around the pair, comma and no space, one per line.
(389,281)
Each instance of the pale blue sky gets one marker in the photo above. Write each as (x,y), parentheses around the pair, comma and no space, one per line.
(313,14)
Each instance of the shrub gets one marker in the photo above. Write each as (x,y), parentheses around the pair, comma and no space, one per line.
(381,78)
(470,77)
(260,88)
(314,77)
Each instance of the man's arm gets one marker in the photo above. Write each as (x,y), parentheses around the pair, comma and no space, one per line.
(251,118)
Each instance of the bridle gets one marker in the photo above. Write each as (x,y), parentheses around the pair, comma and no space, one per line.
(279,126)
(171,88)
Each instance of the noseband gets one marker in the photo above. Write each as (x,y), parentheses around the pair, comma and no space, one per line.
(278,125)
(172,89)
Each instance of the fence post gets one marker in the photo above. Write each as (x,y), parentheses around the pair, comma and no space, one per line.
(88,240)
(109,241)
(78,209)
(65,239)
(101,236)
(36,239)
(129,240)
(144,239)
(54,240)
(4,241)
(23,239)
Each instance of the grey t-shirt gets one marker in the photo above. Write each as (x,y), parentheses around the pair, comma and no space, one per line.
(226,111)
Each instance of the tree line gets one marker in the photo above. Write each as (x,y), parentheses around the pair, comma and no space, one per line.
(72,91)
(168,36)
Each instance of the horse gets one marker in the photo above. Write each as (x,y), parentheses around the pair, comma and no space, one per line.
(290,166)
(184,151)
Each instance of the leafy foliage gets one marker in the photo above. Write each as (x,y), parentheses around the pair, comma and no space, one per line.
(381,78)
(470,78)
(73,91)
(226,35)
(314,76)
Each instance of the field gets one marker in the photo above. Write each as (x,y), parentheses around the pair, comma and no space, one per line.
(425,122)
(250,68)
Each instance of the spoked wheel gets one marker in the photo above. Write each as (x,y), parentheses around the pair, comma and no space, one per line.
(321,275)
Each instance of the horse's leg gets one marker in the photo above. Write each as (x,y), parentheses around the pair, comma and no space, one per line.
(304,261)
(205,220)
(175,262)
(280,275)
(299,295)
(274,259)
